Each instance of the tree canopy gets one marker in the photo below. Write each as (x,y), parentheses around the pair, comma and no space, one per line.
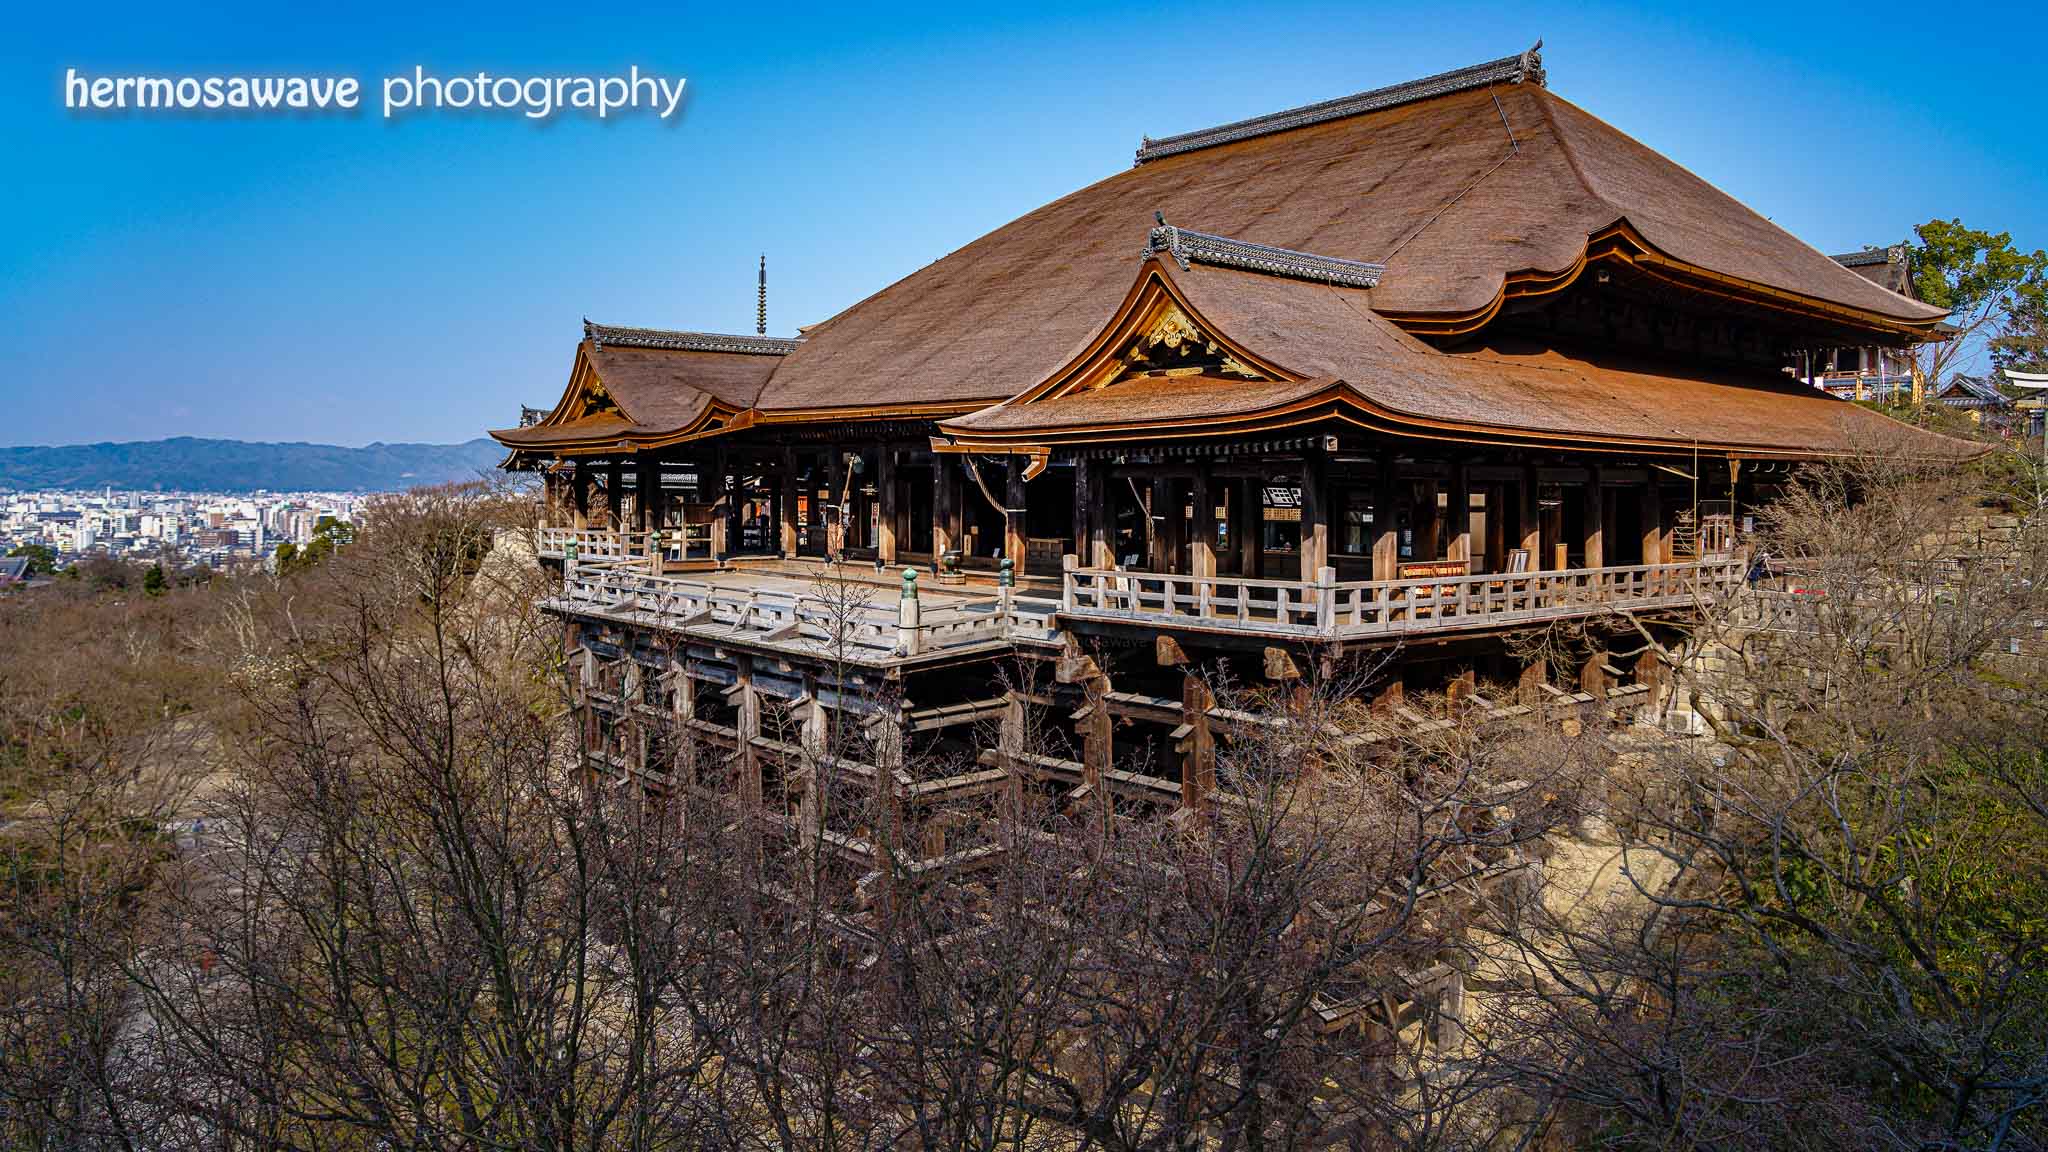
(1985,283)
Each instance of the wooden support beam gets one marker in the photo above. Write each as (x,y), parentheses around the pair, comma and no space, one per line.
(1158,497)
(1530,518)
(1014,543)
(1386,540)
(1429,523)
(946,481)
(885,496)
(1593,675)
(1010,752)
(723,515)
(834,511)
(1202,557)
(1083,546)
(1096,733)
(811,823)
(579,488)
(647,496)
(1198,751)
(1459,545)
(786,502)
(1651,672)
(749,729)
(1593,518)
(1315,513)
(1248,534)
(1653,522)
(683,709)
(1496,528)
(615,493)
(1610,523)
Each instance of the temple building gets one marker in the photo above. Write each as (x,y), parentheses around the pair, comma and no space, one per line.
(1407,371)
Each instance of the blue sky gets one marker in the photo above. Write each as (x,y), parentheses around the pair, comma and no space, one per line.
(348,280)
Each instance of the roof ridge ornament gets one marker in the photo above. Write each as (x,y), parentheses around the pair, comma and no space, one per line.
(1524,68)
(600,335)
(1189,247)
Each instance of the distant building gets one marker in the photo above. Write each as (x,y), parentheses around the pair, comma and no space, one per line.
(1981,399)
(13,570)
(1867,372)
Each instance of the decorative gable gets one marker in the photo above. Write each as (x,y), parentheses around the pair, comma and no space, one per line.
(594,401)
(1173,345)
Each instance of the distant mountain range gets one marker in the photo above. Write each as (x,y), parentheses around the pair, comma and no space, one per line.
(193,465)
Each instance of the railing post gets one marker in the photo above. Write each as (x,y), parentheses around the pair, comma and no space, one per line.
(1326,605)
(1068,563)
(1006,586)
(909,615)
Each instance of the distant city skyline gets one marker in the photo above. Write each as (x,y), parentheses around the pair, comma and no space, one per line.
(343,280)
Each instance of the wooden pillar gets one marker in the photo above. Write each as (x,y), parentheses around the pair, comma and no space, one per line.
(721,503)
(1429,525)
(834,511)
(1203,545)
(749,728)
(811,812)
(1198,760)
(1250,531)
(1593,678)
(1653,522)
(1083,546)
(1386,541)
(580,494)
(885,495)
(614,493)
(1009,747)
(1099,552)
(683,709)
(1096,748)
(1531,518)
(1173,524)
(1496,527)
(1158,495)
(1593,518)
(786,500)
(1649,671)
(1014,546)
(1534,676)
(1315,514)
(1460,541)
(647,514)
(945,486)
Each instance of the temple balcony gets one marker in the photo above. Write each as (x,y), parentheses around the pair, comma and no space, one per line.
(1327,609)
(834,613)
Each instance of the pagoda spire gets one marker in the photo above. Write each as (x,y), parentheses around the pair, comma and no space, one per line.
(761,308)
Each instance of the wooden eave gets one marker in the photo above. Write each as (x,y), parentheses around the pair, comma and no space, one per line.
(1621,244)
(586,384)
(1340,403)
(1336,402)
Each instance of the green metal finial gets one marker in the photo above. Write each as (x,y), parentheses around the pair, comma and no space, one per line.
(910,583)
(1006,573)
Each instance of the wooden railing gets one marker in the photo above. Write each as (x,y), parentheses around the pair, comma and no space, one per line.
(1327,608)
(689,544)
(591,543)
(850,620)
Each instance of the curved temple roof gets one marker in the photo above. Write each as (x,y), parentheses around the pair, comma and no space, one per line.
(647,386)
(1328,356)
(1424,206)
